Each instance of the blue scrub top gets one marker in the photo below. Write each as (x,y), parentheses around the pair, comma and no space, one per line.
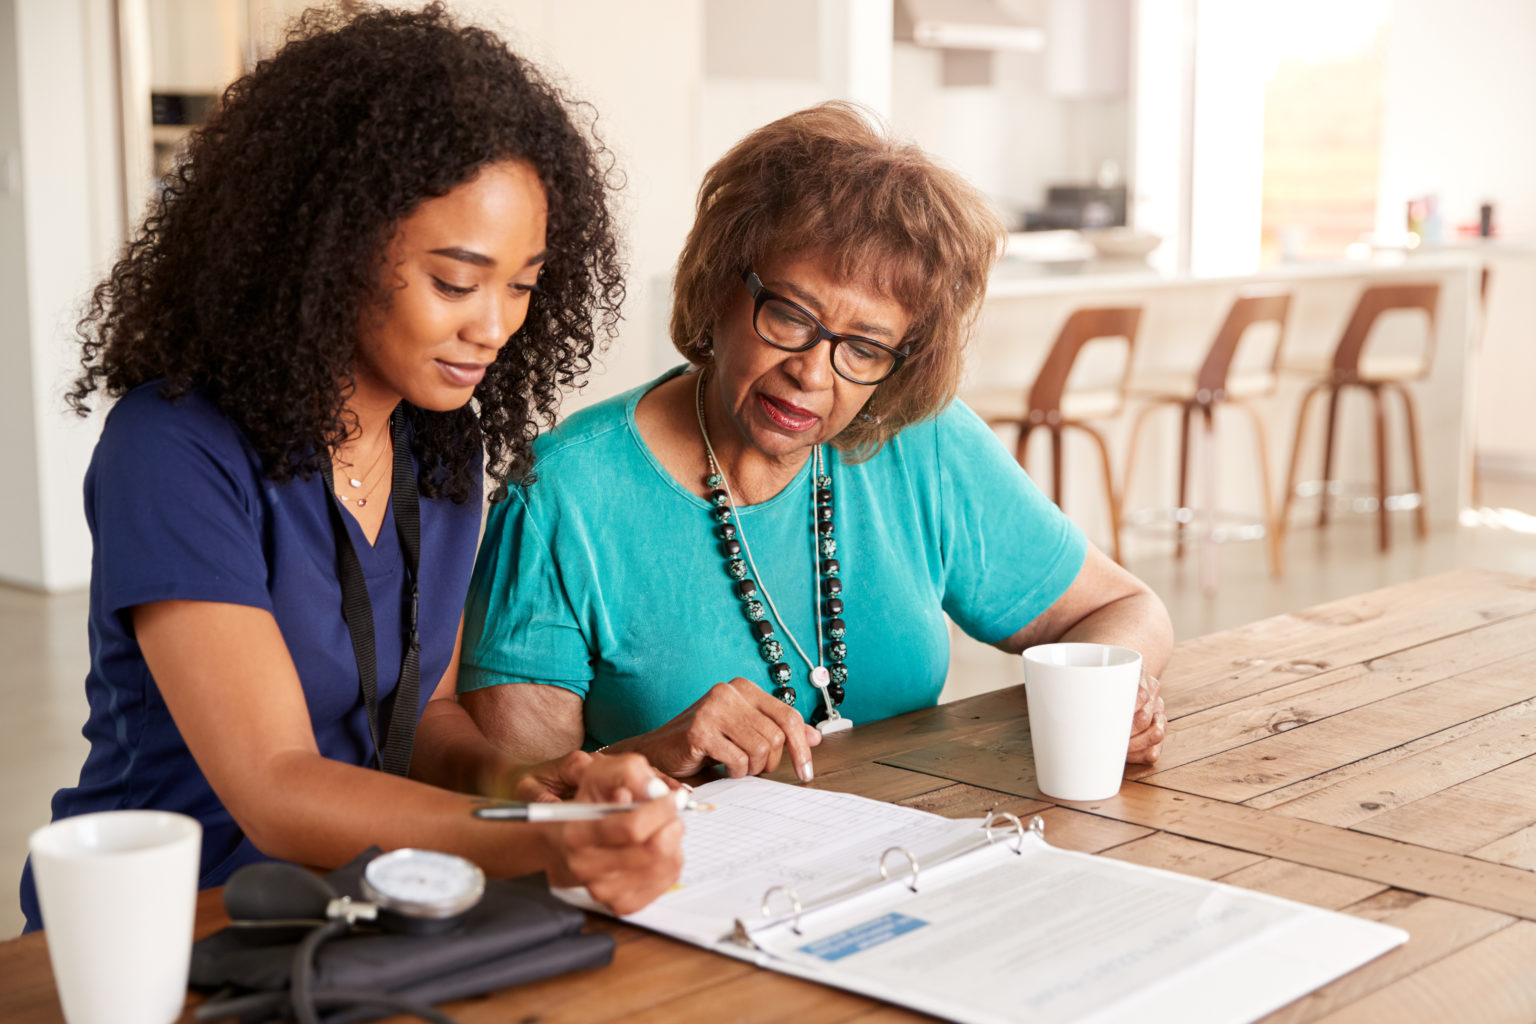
(179,509)
(605,577)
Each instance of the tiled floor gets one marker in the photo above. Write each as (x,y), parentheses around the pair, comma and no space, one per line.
(43,637)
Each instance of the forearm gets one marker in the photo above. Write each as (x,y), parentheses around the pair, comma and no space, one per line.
(526,722)
(312,810)
(1138,621)
(452,753)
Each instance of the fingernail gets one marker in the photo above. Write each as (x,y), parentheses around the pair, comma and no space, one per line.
(656,789)
(805,772)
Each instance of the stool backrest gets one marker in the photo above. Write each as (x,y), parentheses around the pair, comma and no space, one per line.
(1374,301)
(1083,326)
(1247,311)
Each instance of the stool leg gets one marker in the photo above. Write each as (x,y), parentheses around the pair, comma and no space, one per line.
(1327,496)
(1056,464)
(1382,522)
(1178,528)
(1266,488)
(1283,518)
(1021,446)
(1208,484)
(1109,488)
(1420,513)
(1130,456)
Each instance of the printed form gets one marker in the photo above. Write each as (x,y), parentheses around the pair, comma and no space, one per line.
(1008,930)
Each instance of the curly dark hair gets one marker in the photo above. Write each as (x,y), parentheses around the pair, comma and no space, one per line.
(249,274)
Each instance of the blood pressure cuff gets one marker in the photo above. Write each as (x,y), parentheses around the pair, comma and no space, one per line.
(518,932)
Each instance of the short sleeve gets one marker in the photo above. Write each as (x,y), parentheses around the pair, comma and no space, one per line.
(171,498)
(520,625)
(1008,551)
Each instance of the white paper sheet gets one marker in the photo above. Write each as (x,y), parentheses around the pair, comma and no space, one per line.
(991,935)
(764,834)
(1058,936)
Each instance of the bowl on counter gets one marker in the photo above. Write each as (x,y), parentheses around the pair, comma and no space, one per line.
(1122,243)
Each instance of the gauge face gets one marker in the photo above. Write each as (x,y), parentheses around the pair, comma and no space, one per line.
(423,883)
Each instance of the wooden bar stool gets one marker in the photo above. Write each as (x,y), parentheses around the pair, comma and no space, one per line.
(1215,384)
(1347,369)
(1050,406)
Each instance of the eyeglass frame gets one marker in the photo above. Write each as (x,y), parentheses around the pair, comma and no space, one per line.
(762,295)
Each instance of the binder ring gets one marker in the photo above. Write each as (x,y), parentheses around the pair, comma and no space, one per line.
(794,902)
(911,860)
(1036,826)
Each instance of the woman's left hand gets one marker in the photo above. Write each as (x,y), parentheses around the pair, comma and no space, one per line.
(1148,726)
(543,782)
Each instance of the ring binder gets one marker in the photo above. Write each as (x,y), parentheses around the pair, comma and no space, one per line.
(994,825)
(794,901)
(910,860)
(1036,828)
(1078,936)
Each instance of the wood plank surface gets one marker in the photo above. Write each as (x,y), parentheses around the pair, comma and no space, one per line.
(761,997)
(1358,791)
(878,782)
(1320,746)
(1284,707)
(1491,982)
(1391,862)
(1436,928)
(1186,856)
(1303,883)
(1466,816)
(961,801)
(1517,850)
(1216,669)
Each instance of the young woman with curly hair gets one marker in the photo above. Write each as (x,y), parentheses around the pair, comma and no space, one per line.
(363,288)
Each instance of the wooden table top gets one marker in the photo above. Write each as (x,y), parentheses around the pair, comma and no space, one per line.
(1374,755)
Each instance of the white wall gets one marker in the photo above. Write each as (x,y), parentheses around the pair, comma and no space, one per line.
(1021,133)
(21,557)
(58,228)
(1460,96)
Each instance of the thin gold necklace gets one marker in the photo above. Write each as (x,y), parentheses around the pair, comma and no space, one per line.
(357,482)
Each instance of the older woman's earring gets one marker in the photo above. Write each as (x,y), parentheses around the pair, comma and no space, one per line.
(705,346)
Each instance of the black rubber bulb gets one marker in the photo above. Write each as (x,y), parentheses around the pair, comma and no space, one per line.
(274,891)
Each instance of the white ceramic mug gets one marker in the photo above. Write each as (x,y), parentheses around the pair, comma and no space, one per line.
(118,893)
(1081,701)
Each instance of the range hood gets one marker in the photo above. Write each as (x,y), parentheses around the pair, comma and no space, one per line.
(965,25)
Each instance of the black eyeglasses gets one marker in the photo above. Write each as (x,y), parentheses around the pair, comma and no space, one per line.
(790,326)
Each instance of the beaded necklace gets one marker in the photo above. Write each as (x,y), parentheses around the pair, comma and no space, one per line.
(828,679)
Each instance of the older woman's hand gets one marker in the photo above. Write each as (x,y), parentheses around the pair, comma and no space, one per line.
(1148,726)
(735,724)
(624,860)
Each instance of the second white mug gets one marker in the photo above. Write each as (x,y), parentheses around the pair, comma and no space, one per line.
(118,893)
(1081,700)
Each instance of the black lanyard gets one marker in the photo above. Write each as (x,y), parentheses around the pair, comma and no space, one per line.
(394,754)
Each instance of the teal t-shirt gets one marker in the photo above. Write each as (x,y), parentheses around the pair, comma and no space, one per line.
(606,577)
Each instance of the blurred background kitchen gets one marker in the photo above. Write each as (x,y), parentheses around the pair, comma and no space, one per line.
(1163,158)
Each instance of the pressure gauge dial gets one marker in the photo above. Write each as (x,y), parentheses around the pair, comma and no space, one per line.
(423,885)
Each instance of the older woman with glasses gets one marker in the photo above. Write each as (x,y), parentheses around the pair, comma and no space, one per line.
(773,535)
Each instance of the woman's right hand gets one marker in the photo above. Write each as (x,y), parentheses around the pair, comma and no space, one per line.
(624,860)
(735,724)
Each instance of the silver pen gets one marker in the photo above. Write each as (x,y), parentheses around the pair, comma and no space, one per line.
(519,810)
(572,811)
